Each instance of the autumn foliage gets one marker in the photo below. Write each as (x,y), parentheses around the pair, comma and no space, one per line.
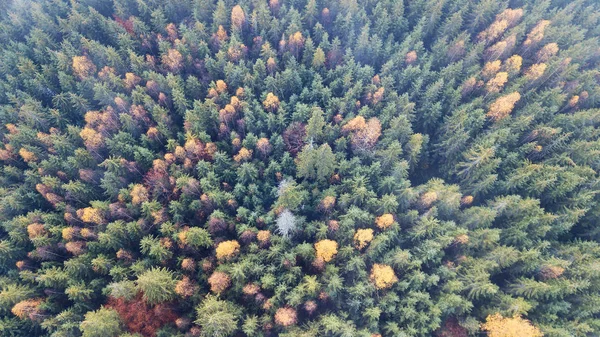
(363,134)
(498,326)
(227,249)
(326,249)
(503,106)
(383,276)
(140,317)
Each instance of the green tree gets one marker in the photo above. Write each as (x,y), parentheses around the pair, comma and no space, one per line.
(157,285)
(103,322)
(217,318)
(316,163)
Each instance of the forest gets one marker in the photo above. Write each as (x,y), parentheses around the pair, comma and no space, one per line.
(299,168)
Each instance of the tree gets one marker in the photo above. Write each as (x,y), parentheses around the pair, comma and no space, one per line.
(103,322)
(383,276)
(83,67)
(238,18)
(286,316)
(173,60)
(316,123)
(498,326)
(326,249)
(227,249)
(286,223)
(271,102)
(157,285)
(503,106)
(217,318)
(316,163)
(219,282)
(364,134)
(362,237)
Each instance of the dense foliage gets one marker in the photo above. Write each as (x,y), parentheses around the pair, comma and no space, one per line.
(299,168)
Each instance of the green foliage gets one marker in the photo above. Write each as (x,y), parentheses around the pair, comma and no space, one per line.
(157,285)
(217,317)
(454,144)
(103,322)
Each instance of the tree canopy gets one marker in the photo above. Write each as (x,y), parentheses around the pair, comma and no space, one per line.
(309,168)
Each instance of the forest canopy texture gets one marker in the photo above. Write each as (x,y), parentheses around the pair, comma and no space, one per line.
(299,168)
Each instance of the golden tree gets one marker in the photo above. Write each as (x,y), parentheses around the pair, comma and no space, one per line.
(243,155)
(513,64)
(173,60)
(139,194)
(75,247)
(35,230)
(537,33)
(237,16)
(512,16)
(271,65)
(83,67)
(503,106)
(497,83)
(92,139)
(131,80)
(263,237)
(271,103)
(296,41)
(498,326)
(27,155)
(172,31)
(383,276)
(364,134)
(327,203)
(326,249)
(91,215)
(263,146)
(507,19)
(27,309)
(466,200)
(384,221)
(535,71)
(221,34)
(221,86)
(494,31)
(227,249)
(549,50)
(362,237)
(490,69)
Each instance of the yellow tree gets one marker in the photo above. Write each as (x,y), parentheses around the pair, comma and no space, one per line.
(513,64)
(537,33)
(362,237)
(498,326)
(296,41)
(495,84)
(364,134)
(237,17)
(535,71)
(383,276)
(549,50)
(227,249)
(326,249)
(271,103)
(83,67)
(503,106)
(173,60)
